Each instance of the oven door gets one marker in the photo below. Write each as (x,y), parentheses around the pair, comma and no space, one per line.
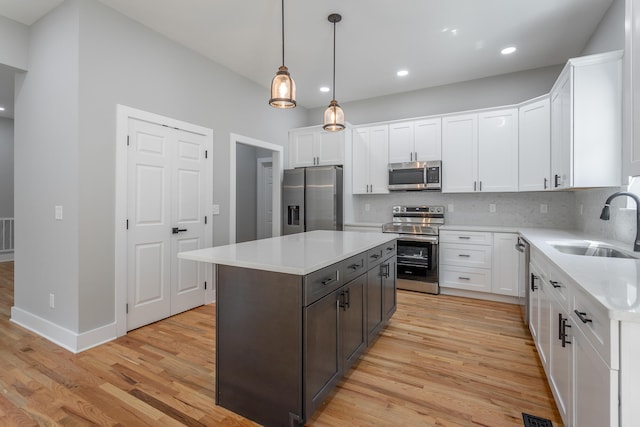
(417,265)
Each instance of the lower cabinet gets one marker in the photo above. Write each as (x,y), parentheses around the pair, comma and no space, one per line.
(381,296)
(577,345)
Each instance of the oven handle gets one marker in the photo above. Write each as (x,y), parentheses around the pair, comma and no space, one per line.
(411,264)
(418,238)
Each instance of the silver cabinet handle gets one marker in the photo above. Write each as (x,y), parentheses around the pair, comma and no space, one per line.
(464,237)
(545,183)
(474,186)
(463,278)
(464,255)
(416,153)
(480,185)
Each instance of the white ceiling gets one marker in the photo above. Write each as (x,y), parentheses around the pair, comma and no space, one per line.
(375,39)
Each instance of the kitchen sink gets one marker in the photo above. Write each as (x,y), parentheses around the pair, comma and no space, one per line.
(589,248)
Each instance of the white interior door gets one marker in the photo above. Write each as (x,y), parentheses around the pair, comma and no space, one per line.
(166,209)
(265,199)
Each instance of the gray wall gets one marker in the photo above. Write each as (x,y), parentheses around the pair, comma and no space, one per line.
(90,58)
(487,92)
(6,168)
(609,35)
(247,192)
(14,43)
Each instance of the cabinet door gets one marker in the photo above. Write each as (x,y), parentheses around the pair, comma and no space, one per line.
(560,361)
(561,132)
(329,148)
(352,317)
(301,148)
(544,325)
(505,264)
(498,151)
(389,288)
(631,151)
(360,160)
(534,302)
(428,139)
(595,385)
(322,360)
(401,148)
(374,302)
(534,146)
(379,160)
(459,153)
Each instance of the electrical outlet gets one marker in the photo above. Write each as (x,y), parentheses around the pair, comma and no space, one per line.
(581,209)
(492,207)
(450,207)
(58,213)
(544,208)
(52,301)
(367,207)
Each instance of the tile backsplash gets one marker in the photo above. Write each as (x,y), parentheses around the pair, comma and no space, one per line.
(589,203)
(511,209)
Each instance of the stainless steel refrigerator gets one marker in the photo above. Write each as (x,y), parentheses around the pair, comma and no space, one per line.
(312,199)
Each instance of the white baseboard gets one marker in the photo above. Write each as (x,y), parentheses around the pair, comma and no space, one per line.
(6,256)
(69,340)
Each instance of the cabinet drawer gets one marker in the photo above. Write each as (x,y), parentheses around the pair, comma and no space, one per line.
(375,256)
(322,282)
(596,326)
(353,267)
(389,249)
(560,286)
(468,237)
(472,279)
(464,255)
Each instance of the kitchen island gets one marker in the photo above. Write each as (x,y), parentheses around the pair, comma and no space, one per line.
(293,313)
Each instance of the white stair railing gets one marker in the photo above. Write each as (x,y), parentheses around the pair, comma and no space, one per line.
(6,235)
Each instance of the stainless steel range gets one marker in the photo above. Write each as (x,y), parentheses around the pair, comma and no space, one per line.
(418,227)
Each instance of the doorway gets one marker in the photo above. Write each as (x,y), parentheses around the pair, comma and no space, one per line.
(273,154)
(163,192)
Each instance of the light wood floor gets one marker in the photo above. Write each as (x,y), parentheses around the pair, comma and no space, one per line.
(442,361)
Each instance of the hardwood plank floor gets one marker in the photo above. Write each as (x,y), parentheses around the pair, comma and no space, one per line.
(442,361)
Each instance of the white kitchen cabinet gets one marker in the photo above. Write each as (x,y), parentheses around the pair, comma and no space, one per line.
(534,299)
(460,153)
(313,146)
(631,166)
(369,160)
(415,140)
(498,150)
(505,264)
(534,145)
(586,122)
(561,360)
(465,260)
(480,152)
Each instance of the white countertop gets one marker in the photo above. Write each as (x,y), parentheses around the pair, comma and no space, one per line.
(299,254)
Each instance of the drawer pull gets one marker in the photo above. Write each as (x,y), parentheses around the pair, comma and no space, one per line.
(330,280)
(464,255)
(375,256)
(464,237)
(533,282)
(463,278)
(582,316)
(390,248)
(354,267)
(555,284)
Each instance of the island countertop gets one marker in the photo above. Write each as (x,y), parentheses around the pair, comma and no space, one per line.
(299,254)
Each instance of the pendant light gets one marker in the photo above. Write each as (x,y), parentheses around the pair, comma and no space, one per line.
(333,115)
(283,88)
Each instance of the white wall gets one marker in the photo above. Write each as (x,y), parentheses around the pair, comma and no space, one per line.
(6,168)
(85,58)
(609,35)
(14,43)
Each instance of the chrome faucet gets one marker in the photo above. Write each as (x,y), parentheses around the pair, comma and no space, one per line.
(605,214)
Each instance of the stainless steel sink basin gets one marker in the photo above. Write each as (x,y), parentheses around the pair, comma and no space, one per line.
(587,248)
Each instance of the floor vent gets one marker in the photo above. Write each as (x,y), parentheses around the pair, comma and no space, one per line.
(533,421)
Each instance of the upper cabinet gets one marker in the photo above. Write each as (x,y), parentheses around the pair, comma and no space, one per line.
(415,140)
(370,161)
(313,146)
(534,145)
(480,152)
(586,122)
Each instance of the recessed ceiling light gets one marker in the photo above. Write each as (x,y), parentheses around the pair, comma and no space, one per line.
(402,73)
(324,89)
(1,108)
(508,50)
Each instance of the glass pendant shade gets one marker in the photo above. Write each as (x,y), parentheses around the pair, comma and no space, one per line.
(333,117)
(283,90)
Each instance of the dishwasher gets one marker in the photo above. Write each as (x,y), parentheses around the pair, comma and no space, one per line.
(523,279)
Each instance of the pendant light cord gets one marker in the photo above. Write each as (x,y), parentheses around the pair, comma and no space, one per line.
(283,33)
(334,60)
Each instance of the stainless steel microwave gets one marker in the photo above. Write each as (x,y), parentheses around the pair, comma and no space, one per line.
(415,176)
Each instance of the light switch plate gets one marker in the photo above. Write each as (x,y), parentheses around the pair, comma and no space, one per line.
(544,208)
(492,207)
(58,213)
(215,210)
(450,207)
(367,207)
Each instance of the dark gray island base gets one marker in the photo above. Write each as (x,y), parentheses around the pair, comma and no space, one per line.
(283,341)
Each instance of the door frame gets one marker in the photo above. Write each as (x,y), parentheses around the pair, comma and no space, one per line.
(278,171)
(123,114)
